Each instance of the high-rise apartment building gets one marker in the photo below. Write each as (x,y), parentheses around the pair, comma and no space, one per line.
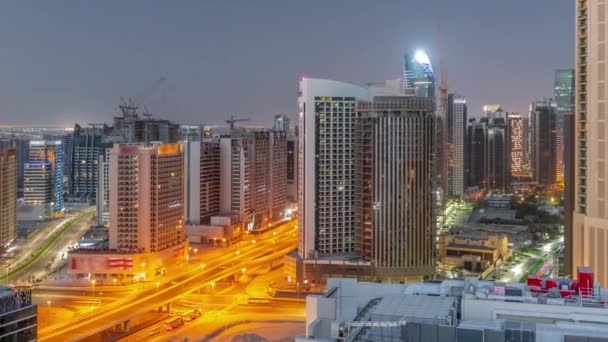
(292,167)
(456,137)
(477,153)
(498,159)
(393,193)
(202,181)
(281,123)
(22,146)
(43,179)
(134,129)
(326,167)
(590,226)
(191,132)
(517,144)
(254,182)
(366,194)
(8,193)
(146,197)
(103,188)
(87,146)
(418,74)
(542,141)
(564,101)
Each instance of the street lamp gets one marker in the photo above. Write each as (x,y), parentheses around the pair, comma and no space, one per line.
(243,270)
(114,280)
(238,252)
(157,285)
(195,251)
(212,286)
(93,287)
(202,266)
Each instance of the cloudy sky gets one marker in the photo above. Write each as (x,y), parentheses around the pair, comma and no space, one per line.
(66,61)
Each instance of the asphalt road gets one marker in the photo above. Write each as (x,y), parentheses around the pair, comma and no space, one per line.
(26,248)
(267,247)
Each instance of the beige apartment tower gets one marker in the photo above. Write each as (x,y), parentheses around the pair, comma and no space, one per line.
(146,197)
(8,195)
(590,219)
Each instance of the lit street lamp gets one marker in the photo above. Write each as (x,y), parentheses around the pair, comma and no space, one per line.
(212,286)
(202,266)
(93,287)
(114,280)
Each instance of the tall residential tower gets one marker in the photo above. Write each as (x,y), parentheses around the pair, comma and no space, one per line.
(8,193)
(590,227)
(456,138)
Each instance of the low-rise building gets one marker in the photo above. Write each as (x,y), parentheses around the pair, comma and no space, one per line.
(542,310)
(475,253)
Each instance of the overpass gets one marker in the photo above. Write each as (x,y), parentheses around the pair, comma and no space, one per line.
(117,315)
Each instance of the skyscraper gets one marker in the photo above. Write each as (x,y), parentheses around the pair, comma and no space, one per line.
(393,193)
(326,167)
(8,193)
(517,143)
(281,123)
(542,141)
(87,146)
(418,75)
(255,182)
(43,179)
(590,227)
(103,188)
(456,137)
(202,180)
(146,197)
(292,167)
(498,160)
(366,182)
(477,153)
(564,101)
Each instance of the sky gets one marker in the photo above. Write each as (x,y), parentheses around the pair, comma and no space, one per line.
(71,61)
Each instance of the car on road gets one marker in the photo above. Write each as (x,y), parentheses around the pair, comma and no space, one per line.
(191,315)
(173,323)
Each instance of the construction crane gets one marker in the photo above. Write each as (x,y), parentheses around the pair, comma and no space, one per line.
(232,121)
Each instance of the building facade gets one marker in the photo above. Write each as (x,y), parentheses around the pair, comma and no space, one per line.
(281,123)
(418,74)
(8,194)
(517,144)
(393,192)
(590,227)
(87,146)
(543,141)
(498,172)
(18,315)
(326,168)
(146,197)
(456,138)
(103,188)
(564,102)
(477,152)
(135,129)
(43,179)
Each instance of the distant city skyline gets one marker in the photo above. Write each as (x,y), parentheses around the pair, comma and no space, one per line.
(73,63)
